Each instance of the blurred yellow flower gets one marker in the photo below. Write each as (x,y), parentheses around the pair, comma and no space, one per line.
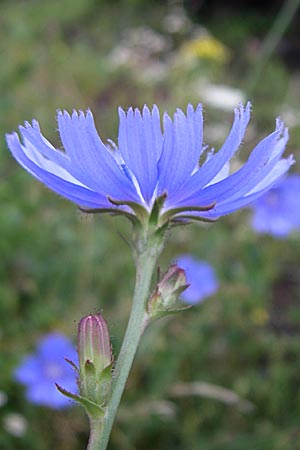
(206,47)
(259,316)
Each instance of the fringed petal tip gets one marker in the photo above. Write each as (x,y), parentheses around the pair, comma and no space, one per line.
(12,139)
(279,125)
(144,113)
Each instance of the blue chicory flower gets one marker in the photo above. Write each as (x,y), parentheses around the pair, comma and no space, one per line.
(150,164)
(40,371)
(201,278)
(278,211)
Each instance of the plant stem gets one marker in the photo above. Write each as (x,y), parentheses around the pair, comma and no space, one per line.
(279,27)
(95,434)
(147,252)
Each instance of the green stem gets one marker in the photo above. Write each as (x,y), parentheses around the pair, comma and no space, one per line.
(279,27)
(148,248)
(95,434)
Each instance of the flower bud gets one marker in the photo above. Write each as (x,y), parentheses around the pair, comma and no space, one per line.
(95,358)
(165,298)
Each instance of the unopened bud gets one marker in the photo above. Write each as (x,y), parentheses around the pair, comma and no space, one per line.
(165,298)
(95,358)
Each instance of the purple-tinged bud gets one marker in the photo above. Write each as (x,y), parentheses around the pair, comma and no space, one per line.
(165,298)
(95,358)
(94,343)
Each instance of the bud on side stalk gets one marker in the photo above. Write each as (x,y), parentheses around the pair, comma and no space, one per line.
(165,299)
(95,359)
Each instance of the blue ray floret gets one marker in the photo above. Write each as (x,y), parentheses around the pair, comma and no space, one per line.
(40,371)
(201,278)
(152,162)
(277,212)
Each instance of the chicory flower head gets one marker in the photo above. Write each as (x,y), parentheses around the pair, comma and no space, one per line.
(40,371)
(277,212)
(200,276)
(164,168)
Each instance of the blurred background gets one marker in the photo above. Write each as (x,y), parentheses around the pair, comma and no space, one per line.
(57,264)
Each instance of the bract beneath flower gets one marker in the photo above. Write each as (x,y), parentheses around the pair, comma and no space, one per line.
(155,166)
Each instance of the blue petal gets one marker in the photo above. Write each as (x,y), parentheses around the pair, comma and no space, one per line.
(261,166)
(277,211)
(56,346)
(232,204)
(29,371)
(46,394)
(86,150)
(33,134)
(36,143)
(212,167)
(274,223)
(271,177)
(200,276)
(261,161)
(183,144)
(79,194)
(140,144)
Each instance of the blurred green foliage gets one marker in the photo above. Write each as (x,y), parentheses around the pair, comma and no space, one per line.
(58,264)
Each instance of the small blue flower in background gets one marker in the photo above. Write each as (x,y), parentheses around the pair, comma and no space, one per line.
(278,211)
(152,162)
(200,276)
(40,371)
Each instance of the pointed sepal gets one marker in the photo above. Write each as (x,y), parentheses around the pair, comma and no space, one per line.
(157,207)
(93,410)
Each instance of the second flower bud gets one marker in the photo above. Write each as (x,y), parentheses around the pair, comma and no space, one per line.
(165,298)
(95,359)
